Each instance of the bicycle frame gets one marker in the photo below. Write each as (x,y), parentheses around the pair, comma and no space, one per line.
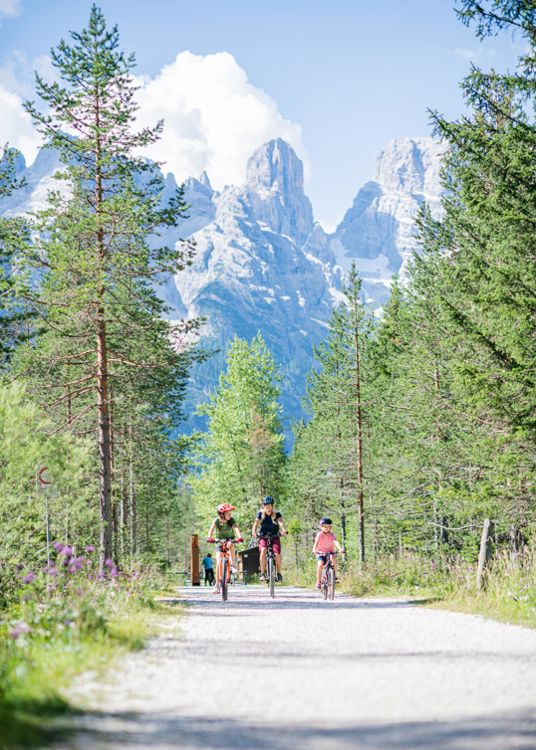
(223,568)
(271,566)
(327,582)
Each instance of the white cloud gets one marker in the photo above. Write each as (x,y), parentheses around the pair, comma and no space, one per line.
(471,55)
(16,126)
(17,72)
(9,8)
(214,118)
(475,55)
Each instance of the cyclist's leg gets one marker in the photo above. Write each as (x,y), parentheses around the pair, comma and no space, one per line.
(218,570)
(276,545)
(319,569)
(262,558)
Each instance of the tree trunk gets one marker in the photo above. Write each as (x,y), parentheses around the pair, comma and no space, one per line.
(343,536)
(485,554)
(105,474)
(132,500)
(359,450)
(104,438)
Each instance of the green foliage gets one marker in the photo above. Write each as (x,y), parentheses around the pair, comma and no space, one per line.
(103,360)
(67,619)
(448,370)
(15,315)
(26,446)
(241,455)
(323,472)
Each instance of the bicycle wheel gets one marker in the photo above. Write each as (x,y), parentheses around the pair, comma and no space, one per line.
(331,584)
(224,565)
(324,585)
(271,576)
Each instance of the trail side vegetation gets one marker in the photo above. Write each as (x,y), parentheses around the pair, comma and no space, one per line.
(420,421)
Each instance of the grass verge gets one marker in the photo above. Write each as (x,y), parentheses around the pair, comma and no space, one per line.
(37,667)
(509,594)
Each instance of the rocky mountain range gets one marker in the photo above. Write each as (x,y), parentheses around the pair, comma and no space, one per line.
(263,262)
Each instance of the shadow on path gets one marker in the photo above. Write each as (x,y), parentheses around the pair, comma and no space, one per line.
(287,602)
(163,732)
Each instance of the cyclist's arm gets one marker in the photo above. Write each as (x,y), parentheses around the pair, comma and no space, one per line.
(238,535)
(210,534)
(338,546)
(255,527)
(281,525)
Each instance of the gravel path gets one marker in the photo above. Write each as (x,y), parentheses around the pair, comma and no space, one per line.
(299,673)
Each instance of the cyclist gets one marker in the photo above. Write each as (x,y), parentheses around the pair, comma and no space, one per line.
(224,527)
(325,542)
(269,521)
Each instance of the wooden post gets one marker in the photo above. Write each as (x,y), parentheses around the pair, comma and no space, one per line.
(196,581)
(484,554)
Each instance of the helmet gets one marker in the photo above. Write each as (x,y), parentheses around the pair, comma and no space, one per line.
(325,521)
(224,507)
(268,500)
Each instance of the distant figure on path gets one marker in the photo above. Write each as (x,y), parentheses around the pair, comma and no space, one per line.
(208,565)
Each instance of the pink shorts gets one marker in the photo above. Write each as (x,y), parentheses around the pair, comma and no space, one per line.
(276,544)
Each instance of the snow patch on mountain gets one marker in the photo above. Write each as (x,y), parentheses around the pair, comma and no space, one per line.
(378,231)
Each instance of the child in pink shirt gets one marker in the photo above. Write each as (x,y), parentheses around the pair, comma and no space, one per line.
(325,542)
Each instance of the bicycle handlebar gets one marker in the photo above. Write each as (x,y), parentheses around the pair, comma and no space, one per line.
(325,553)
(221,541)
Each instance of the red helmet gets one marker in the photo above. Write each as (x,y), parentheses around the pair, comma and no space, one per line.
(224,507)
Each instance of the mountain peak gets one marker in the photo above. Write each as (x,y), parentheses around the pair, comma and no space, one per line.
(275,166)
(204,180)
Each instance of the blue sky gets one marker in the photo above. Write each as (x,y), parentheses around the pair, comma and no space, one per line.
(337,79)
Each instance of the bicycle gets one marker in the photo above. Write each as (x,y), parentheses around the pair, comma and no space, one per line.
(271,567)
(327,582)
(223,568)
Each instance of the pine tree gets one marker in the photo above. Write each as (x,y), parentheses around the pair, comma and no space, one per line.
(15,318)
(327,465)
(98,251)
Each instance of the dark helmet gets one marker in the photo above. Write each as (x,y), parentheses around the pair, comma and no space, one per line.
(268,500)
(325,521)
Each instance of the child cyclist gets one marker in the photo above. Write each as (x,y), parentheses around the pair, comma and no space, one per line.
(325,542)
(224,527)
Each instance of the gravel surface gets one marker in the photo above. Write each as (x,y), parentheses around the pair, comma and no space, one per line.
(300,673)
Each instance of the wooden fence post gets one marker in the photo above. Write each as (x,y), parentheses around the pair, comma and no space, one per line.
(196,581)
(484,554)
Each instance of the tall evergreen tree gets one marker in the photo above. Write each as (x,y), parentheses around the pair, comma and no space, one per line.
(99,256)
(14,236)
(331,447)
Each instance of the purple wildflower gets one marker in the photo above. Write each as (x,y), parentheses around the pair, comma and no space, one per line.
(58,546)
(52,571)
(28,578)
(90,548)
(113,572)
(67,550)
(19,630)
(109,563)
